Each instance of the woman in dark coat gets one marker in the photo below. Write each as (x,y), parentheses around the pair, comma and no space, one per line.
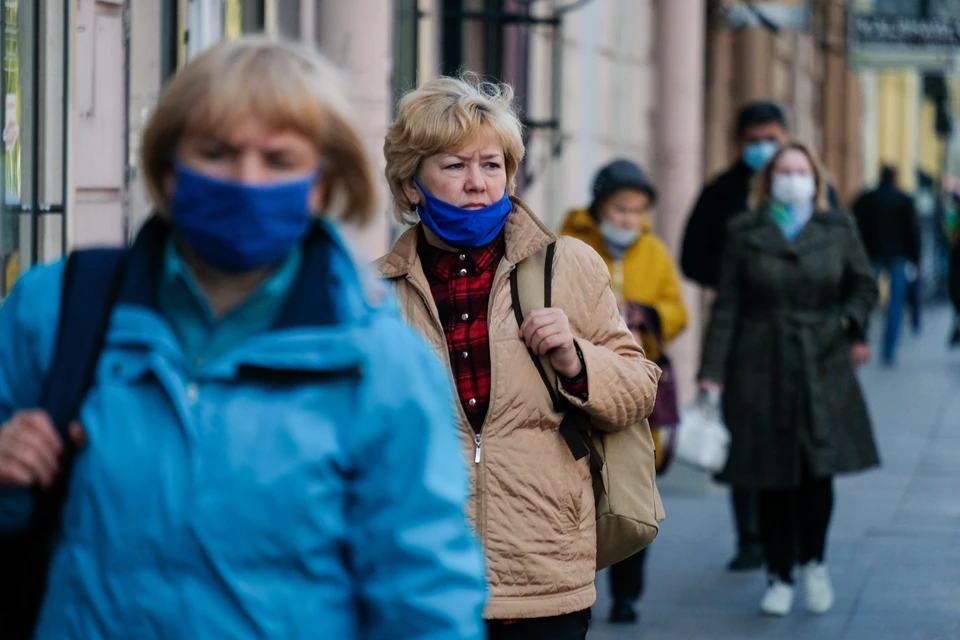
(783,342)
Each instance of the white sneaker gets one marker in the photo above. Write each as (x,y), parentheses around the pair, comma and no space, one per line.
(778,600)
(817,587)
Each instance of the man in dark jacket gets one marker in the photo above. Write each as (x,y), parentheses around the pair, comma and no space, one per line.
(891,234)
(761,128)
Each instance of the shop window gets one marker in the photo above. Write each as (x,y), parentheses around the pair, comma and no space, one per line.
(489,37)
(17,63)
(232,19)
(242,17)
(192,26)
(26,212)
(406,46)
(33,163)
(492,38)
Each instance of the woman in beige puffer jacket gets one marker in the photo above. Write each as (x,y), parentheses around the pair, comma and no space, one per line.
(452,155)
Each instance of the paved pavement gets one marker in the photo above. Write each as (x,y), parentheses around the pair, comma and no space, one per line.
(894,547)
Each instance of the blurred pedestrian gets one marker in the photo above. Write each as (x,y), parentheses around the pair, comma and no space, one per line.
(647,286)
(241,473)
(761,128)
(950,241)
(783,341)
(914,299)
(452,155)
(890,230)
(954,290)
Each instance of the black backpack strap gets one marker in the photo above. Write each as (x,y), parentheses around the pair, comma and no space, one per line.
(91,283)
(531,288)
(525,285)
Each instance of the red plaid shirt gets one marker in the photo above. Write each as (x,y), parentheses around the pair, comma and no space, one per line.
(460,283)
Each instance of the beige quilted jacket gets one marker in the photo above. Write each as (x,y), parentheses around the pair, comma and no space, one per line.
(531,502)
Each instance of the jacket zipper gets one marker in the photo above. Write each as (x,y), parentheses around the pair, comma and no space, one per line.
(503,269)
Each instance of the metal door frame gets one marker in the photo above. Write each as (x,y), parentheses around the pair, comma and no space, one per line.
(32,204)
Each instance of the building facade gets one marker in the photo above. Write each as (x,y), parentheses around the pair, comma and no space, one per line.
(804,68)
(81,78)
(656,81)
(595,80)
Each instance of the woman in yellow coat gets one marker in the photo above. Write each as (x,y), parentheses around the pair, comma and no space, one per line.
(647,284)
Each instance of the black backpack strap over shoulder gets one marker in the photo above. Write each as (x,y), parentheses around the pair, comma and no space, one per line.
(531,287)
(91,283)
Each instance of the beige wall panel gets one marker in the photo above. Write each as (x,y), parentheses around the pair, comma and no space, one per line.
(99,222)
(99,133)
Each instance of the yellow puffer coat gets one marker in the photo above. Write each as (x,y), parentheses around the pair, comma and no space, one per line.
(646,274)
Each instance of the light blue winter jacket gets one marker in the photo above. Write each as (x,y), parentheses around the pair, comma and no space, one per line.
(306,484)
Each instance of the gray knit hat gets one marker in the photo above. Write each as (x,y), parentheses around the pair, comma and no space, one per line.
(621,174)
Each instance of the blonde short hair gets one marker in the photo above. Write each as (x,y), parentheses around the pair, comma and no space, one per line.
(442,116)
(760,193)
(288,87)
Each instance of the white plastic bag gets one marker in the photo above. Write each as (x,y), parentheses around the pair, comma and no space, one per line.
(703,440)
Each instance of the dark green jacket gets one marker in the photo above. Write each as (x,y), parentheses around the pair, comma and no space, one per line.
(779,340)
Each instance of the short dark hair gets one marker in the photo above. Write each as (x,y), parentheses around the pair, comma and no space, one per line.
(888,173)
(753,114)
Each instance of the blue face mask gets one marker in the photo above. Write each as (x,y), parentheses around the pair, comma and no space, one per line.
(238,227)
(464,228)
(758,154)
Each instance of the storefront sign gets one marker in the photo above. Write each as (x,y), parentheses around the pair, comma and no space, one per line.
(788,14)
(903,41)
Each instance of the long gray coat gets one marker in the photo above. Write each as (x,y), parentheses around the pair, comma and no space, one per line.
(778,341)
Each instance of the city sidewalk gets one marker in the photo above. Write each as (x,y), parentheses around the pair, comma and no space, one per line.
(894,549)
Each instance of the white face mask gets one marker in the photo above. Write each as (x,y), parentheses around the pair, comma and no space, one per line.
(619,237)
(793,188)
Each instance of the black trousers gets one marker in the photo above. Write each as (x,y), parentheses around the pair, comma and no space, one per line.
(745,516)
(794,523)
(626,578)
(571,626)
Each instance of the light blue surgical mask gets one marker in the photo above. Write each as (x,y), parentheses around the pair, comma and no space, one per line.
(758,154)
(463,228)
(618,239)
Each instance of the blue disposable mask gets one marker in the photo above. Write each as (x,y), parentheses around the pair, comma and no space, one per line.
(758,154)
(463,228)
(618,239)
(240,227)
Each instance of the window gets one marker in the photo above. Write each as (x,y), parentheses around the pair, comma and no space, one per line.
(906,8)
(406,47)
(191,26)
(492,38)
(32,179)
(17,112)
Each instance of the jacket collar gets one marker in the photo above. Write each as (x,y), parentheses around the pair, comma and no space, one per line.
(764,234)
(524,234)
(740,172)
(344,295)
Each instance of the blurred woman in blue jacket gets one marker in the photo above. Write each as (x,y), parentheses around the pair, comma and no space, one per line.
(266,450)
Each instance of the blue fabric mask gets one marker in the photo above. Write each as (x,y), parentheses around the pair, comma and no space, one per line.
(758,154)
(240,227)
(464,228)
